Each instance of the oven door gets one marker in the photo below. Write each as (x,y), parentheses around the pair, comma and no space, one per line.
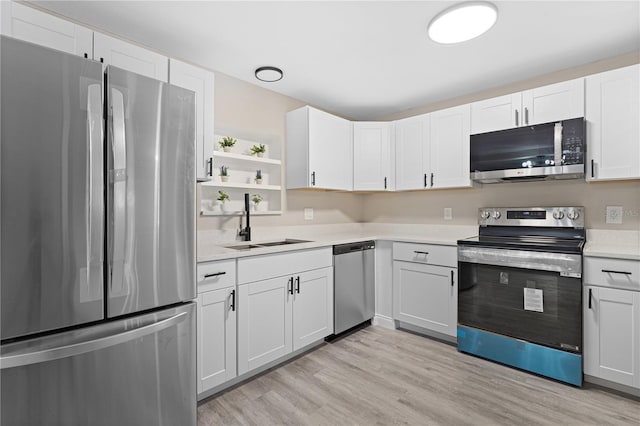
(526,295)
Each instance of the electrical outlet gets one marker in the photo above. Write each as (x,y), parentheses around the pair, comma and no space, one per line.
(614,214)
(308,214)
(448,213)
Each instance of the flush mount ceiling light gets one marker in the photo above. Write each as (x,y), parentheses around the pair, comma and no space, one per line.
(462,22)
(269,74)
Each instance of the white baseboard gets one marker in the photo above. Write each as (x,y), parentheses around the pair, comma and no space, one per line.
(383,321)
(612,385)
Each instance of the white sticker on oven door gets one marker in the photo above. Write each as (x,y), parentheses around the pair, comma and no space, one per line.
(533,299)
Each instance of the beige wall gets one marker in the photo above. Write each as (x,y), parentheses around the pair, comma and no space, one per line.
(252,109)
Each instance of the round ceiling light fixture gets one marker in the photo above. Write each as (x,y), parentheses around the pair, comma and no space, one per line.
(269,74)
(462,22)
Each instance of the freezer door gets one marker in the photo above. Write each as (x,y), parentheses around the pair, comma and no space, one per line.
(138,371)
(52,189)
(151,190)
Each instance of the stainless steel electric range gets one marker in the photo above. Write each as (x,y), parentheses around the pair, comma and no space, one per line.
(520,290)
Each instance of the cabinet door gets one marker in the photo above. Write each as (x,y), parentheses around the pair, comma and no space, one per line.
(312,306)
(200,81)
(613,124)
(371,156)
(494,114)
(264,322)
(28,24)
(612,335)
(216,338)
(426,296)
(412,152)
(112,51)
(330,151)
(555,102)
(450,148)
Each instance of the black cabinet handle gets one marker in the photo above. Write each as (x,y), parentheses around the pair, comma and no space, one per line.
(425,180)
(526,116)
(298,284)
(421,252)
(210,166)
(593,167)
(233,300)
(215,274)
(432,180)
(517,121)
(385,182)
(290,285)
(452,278)
(313,178)
(86,55)
(589,298)
(609,271)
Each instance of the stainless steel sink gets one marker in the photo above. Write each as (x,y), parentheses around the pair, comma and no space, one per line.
(269,244)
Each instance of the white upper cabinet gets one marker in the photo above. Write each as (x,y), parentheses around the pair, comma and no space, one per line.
(113,51)
(613,124)
(449,147)
(372,156)
(412,152)
(28,24)
(319,150)
(201,81)
(554,102)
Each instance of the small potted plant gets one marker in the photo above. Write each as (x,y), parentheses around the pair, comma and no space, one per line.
(258,150)
(258,176)
(226,143)
(256,199)
(223,197)
(224,173)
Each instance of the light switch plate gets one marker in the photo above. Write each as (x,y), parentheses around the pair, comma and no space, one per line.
(308,214)
(448,213)
(614,214)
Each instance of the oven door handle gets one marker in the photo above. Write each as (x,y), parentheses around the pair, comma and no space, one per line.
(567,265)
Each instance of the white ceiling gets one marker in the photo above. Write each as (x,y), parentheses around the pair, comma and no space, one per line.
(368,59)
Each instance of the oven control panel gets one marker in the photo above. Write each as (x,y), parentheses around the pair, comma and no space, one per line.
(563,217)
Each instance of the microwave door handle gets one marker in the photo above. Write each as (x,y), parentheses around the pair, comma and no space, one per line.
(94,196)
(118,183)
(557,144)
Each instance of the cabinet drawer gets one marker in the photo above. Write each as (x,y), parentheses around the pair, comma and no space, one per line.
(257,268)
(216,275)
(426,253)
(617,273)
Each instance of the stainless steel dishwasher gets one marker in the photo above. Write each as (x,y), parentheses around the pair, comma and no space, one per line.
(353,281)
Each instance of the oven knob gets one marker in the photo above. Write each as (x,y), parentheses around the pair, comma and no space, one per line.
(496,215)
(558,214)
(573,214)
(485,214)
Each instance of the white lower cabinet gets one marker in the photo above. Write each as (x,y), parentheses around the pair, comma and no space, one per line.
(216,337)
(289,309)
(612,320)
(216,323)
(425,286)
(426,296)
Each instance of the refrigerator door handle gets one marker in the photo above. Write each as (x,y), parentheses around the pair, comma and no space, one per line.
(81,347)
(118,182)
(92,289)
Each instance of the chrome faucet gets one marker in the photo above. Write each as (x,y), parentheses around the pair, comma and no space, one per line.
(246,232)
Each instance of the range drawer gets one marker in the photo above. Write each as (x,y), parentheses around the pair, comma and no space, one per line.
(429,254)
(216,275)
(256,268)
(617,273)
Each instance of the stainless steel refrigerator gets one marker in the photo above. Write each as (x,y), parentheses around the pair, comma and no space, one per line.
(97,258)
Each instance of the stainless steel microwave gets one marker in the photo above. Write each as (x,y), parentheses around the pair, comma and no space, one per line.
(544,151)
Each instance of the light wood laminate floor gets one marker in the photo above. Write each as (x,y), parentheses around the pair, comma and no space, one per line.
(378,376)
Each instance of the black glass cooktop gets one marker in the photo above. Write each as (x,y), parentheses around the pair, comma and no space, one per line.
(554,240)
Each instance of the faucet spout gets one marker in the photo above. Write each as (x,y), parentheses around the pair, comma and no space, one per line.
(246,232)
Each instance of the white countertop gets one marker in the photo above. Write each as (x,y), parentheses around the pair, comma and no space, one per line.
(212,245)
